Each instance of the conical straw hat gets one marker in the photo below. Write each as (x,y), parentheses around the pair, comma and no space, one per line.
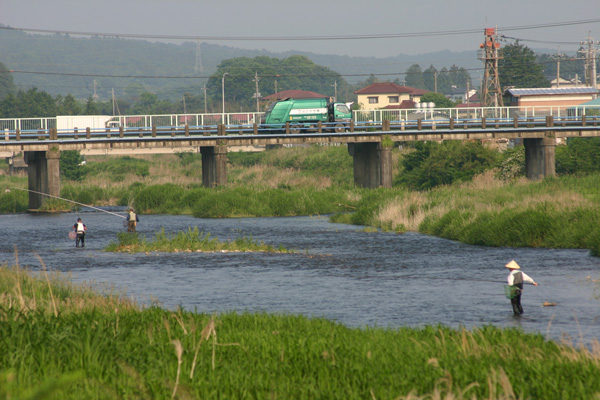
(512,265)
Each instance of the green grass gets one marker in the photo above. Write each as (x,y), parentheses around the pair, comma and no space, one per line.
(103,347)
(190,241)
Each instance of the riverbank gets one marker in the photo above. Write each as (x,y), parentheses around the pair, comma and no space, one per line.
(81,344)
(554,213)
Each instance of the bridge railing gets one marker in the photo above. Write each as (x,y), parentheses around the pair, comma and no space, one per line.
(435,122)
(474,113)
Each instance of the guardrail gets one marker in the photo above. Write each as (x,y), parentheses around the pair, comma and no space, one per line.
(359,116)
(533,123)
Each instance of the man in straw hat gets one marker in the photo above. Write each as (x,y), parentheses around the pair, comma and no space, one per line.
(517,278)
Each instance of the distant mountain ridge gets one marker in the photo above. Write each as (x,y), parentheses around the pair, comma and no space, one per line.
(87,66)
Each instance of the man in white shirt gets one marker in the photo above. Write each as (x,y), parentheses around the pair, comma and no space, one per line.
(517,278)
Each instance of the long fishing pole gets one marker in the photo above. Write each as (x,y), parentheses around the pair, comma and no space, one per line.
(71,201)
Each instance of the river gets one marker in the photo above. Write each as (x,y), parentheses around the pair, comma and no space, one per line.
(340,272)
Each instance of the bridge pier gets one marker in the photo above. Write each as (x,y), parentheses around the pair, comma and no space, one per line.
(43,175)
(214,165)
(372,164)
(539,158)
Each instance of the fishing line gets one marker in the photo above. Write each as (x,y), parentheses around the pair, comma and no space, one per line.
(71,201)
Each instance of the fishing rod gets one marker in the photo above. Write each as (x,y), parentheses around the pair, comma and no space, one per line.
(71,201)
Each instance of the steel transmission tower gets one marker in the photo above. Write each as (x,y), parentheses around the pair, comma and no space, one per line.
(490,53)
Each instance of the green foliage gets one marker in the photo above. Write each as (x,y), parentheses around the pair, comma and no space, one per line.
(7,86)
(87,194)
(512,163)
(159,199)
(539,226)
(439,99)
(191,241)
(518,67)
(295,72)
(246,202)
(414,77)
(115,351)
(26,104)
(13,201)
(187,158)
(433,164)
(118,168)
(580,156)
(70,167)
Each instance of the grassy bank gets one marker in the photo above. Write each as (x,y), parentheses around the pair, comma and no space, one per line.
(555,213)
(190,241)
(59,341)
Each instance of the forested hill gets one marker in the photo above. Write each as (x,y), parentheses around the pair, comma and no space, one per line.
(83,66)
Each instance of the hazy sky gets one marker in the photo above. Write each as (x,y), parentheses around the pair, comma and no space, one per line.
(422,20)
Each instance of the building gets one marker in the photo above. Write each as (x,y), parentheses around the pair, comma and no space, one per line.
(564,83)
(547,97)
(388,95)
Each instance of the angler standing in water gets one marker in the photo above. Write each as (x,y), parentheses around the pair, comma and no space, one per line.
(80,229)
(517,278)
(132,219)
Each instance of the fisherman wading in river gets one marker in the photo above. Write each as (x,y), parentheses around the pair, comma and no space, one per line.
(516,279)
(132,220)
(79,229)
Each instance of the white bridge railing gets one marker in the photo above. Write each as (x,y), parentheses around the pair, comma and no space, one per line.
(241,119)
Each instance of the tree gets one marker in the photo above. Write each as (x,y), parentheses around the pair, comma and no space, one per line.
(67,105)
(518,68)
(430,78)
(433,164)
(439,99)
(275,75)
(7,85)
(69,165)
(414,77)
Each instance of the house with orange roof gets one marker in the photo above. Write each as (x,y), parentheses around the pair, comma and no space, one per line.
(388,95)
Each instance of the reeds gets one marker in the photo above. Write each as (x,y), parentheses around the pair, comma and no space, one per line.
(151,353)
(191,241)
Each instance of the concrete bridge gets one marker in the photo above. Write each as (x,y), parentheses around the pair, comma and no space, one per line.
(369,143)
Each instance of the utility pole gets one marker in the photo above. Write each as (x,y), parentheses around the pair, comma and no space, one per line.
(256,94)
(204,90)
(558,57)
(334,90)
(490,54)
(590,61)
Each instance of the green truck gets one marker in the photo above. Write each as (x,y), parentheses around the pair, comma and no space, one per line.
(305,114)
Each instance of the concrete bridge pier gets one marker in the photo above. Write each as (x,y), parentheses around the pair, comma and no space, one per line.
(43,175)
(539,158)
(372,164)
(214,165)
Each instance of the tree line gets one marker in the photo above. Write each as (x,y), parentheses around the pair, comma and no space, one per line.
(238,78)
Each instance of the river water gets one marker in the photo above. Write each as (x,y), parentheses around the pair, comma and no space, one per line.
(340,273)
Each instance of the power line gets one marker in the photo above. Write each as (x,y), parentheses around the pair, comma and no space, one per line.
(537,41)
(300,38)
(332,75)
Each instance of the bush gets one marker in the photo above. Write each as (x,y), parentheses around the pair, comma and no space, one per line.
(433,164)
(70,165)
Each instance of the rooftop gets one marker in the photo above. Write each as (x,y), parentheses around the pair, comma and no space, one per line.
(552,91)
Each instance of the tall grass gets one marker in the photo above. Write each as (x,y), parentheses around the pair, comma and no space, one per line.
(191,241)
(110,351)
